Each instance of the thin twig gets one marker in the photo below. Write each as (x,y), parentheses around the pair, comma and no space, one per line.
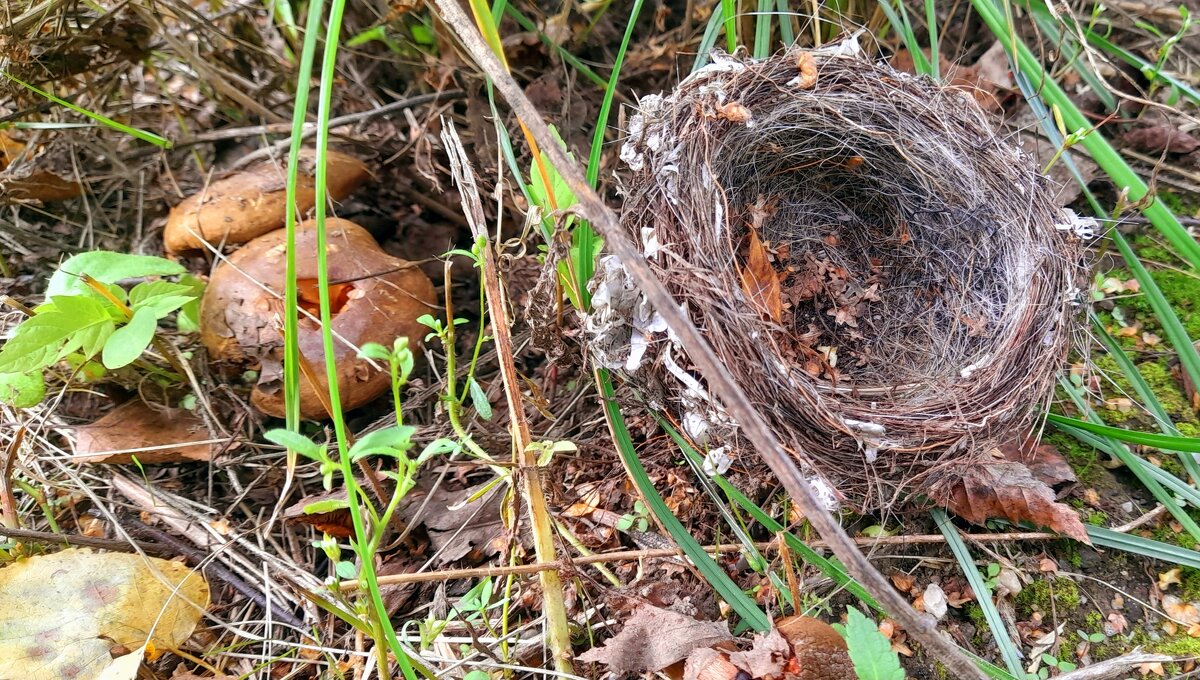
(651,553)
(720,382)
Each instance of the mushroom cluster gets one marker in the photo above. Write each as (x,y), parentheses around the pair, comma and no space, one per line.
(374,297)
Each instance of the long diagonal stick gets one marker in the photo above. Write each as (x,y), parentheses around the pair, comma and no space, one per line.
(591,207)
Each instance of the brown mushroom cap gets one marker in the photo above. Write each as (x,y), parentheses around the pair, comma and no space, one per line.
(252,202)
(379,301)
(819,651)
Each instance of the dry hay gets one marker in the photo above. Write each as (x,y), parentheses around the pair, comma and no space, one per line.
(918,298)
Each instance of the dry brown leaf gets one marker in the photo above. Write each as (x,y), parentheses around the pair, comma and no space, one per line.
(1181,611)
(903,582)
(808,70)
(1155,668)
(734,112)
(1043,460)
(760,281)
(152,435)
(654,638)
(766,658)
(1116,624)
(1169,577)
(1156,139)
(1007,489)
(1048,566)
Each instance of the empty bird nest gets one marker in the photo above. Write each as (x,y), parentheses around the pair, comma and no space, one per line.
(888,281)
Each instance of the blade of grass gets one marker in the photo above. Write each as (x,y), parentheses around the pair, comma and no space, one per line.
(826,566)
(762,29)
(1149,70)
(1165,552)
(1101,151)
(321,182)
(786,34)
(707,41)
(729,19)
(1158,441)
(161,142)
(903,27)
(983,594)
(1137,380)
(934,48)
(708,568)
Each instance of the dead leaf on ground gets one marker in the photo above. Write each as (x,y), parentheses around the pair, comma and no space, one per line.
(654,638)
(1155,139)
(1043,460)
(766,658)
(761,281)
(152,435)
(1171,576)
(65,613)
(457,528)
(1005,489)
(1181,611)
(41,174)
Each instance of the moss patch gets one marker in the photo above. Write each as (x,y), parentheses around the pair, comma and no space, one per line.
(1084,459)
(1039,596)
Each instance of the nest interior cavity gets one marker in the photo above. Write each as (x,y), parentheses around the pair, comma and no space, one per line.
(923,272)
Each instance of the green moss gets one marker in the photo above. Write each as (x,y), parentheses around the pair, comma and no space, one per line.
(975,615)
(1061,592)
(1093,622)
(1097,518)
(1180,204)
(1158,378)
(1181,290)
(1084,459)
(1189,584)
(1166,534)
(1177,645)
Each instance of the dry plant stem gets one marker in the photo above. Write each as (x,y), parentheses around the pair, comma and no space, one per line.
(558,633)
(1114,668)
(592,207)
(7,500)
(652,553)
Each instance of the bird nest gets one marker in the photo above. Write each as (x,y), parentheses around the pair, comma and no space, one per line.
(889,282)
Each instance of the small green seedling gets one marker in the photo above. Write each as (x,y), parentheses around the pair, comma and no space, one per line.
(89,314)
(638,520)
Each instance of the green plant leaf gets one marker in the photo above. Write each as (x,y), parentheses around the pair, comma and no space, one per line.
(296,442)
(346,570)
(376,351)
(188,320)
(129,341)
(479,400)
(22,390)
(870,651)
(50,334)
(436,448)
(162,297)
(107,267)
(1158,441)
(390,441)
(328,505)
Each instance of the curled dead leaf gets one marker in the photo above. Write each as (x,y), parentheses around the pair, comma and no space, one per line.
(808,70)
(1006,489)
(760,281)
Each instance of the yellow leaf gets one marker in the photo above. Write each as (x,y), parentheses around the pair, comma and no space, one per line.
(61,614)
(1166,578)
(761,281)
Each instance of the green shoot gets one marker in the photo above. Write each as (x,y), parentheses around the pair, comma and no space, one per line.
(154,139)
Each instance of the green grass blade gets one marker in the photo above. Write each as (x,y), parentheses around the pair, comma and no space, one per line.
(903,27)
(762,29)
(707,41)
(324,110)
(1135,378)
(1158,441)
(934,48)
(786,34)
(1101,151)
(1149,70)
(1165,552)
(826,566)
(161,142)
(1068,44)
(983,594)
(712,572)
(1173,328)
(729,20)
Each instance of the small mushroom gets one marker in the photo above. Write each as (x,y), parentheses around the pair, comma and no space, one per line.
(374,298)
(818,651)
(252,202)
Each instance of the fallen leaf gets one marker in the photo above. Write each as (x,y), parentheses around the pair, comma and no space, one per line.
(1155,668)
(808,70)
(1116,624)
(760,281)
(1007,489)
(1169,577)
(43,174)
(153,436)
(1182,612)
(1155,139)
(734,112)
(902,581)
(457,528)
(65,613)
(1043,460)
(654,638)
(707,663)
(1048,566)
(766,657)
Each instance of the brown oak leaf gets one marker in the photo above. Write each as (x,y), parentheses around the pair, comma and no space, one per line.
(654,638)
(761,281)
(1007,489)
